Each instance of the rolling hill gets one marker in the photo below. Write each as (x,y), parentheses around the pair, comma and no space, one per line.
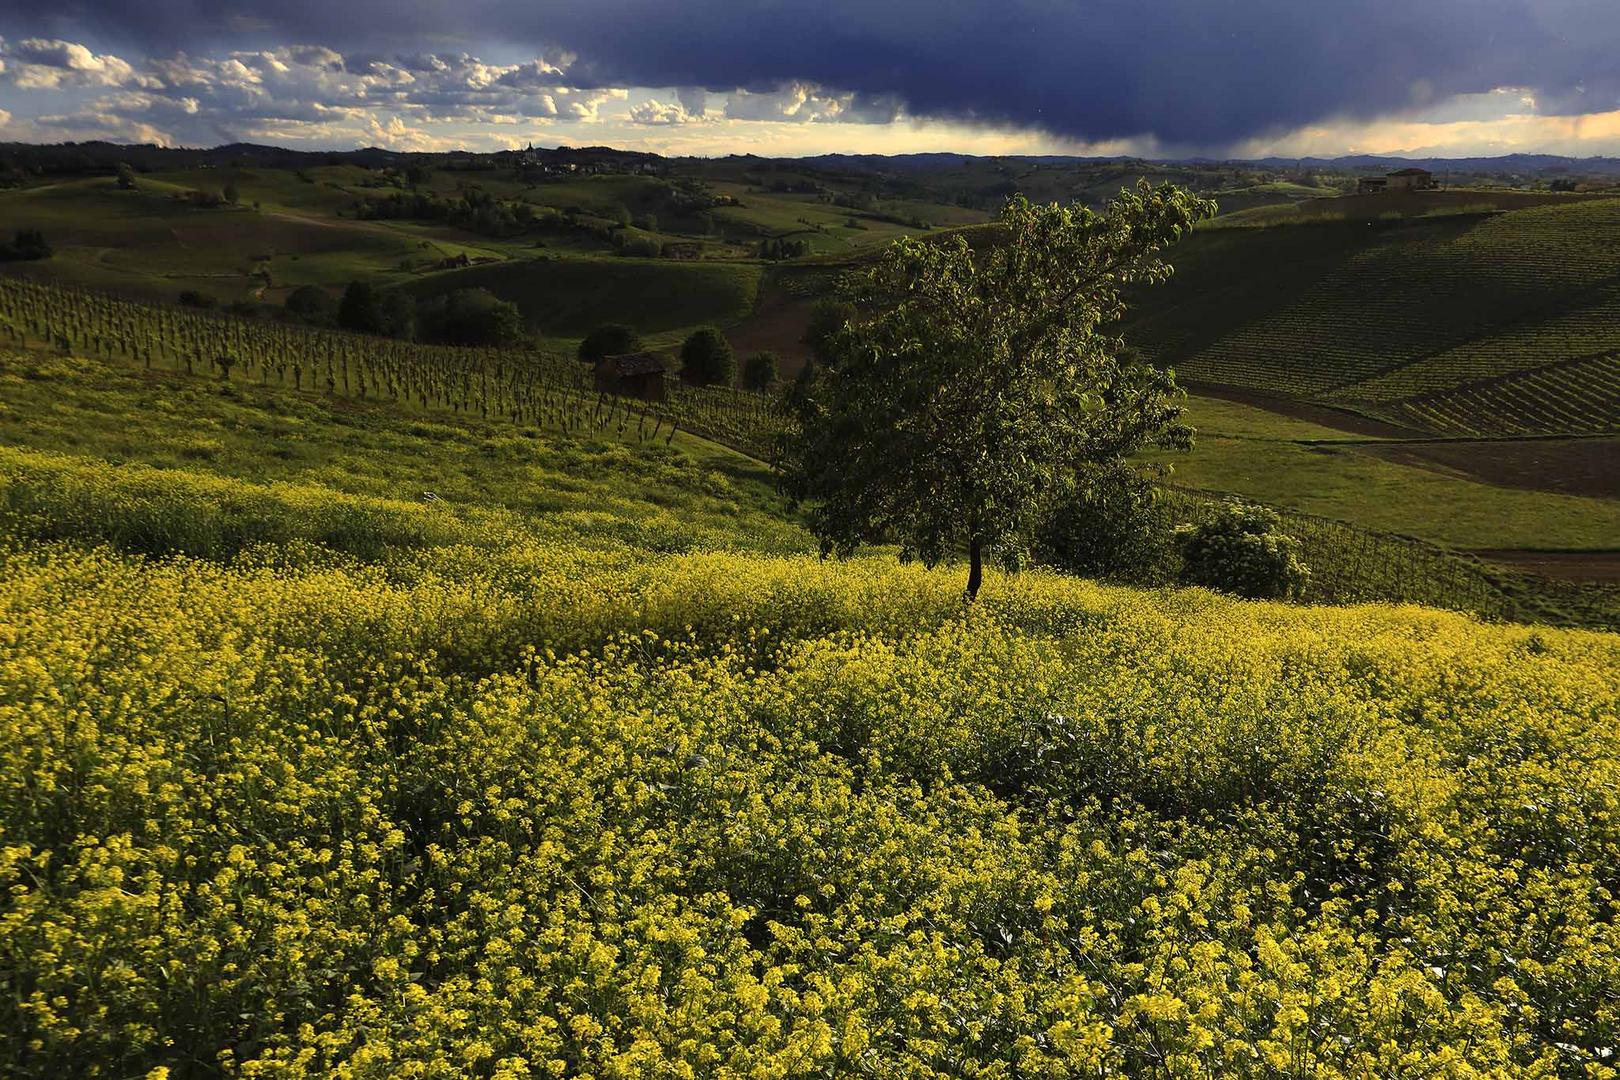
(1500,321)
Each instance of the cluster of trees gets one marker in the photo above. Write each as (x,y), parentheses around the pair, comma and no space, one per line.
(783,247)
(204,199)
(25,246)
(474,209)
(461,317)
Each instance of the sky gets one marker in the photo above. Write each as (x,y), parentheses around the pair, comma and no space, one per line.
(1167,78)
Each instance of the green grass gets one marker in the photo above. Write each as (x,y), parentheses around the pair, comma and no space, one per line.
(1234,420)
(1310,205)
(1250,452)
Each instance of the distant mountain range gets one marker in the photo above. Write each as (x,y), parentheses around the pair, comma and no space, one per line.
(66,156)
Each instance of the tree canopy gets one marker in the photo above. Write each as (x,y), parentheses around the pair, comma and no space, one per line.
(613,339)
(760,370)
(470,317)
(974,384)
(707,359)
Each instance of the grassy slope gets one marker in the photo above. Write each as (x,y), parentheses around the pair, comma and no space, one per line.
(1292,463)
(151,244)
(247,433)
(148,243)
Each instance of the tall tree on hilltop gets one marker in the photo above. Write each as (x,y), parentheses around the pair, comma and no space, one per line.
(975,383)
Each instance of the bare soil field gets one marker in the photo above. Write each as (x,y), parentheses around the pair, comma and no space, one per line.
(1572,466)
(777,323)
(1601,566)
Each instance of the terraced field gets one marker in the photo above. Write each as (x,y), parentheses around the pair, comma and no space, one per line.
(1577,396)
(1477,323)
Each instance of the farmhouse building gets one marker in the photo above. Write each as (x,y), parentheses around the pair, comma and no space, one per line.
(1402,180)
(634,375)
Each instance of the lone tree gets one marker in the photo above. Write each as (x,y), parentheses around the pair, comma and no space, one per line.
(360,309)
(759,370)
(973,384)
(706,358)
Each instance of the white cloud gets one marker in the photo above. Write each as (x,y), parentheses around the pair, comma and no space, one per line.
(798,102)
(51,64)
(313,95)
(659,113)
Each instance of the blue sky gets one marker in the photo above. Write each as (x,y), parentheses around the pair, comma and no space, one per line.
(1170,78)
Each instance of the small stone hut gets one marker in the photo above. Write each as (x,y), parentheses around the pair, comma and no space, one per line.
(637,375)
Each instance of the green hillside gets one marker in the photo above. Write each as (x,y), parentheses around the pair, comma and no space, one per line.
(1468,323)
(152,243)
(342,739)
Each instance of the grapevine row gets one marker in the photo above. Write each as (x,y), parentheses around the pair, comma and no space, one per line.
(523,386)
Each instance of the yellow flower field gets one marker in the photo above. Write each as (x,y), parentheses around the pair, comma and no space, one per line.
(300,782)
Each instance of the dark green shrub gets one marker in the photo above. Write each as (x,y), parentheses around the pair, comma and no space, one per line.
(312,304)
(470,317)
(645,247)
(26,245)
(361,308)
(1114,524)
(827,318)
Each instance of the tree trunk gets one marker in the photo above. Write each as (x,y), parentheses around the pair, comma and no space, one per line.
(975,568)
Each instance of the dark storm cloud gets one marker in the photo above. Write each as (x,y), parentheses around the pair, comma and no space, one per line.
(1187,71)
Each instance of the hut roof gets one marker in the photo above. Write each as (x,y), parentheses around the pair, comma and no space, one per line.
(637,363)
